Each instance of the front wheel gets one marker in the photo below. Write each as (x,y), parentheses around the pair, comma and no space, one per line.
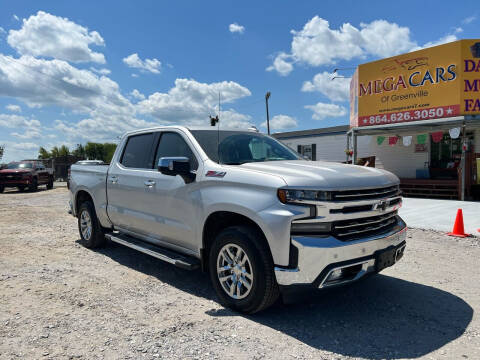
(50,183)
(21,188)
(34,185)
(241,270)
(2,188)
(90,230)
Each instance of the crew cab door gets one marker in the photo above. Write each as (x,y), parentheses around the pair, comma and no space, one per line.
(144,201)
(42,173)
(173,203)
(125,183)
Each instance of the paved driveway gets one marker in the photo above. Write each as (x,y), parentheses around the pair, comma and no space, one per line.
(440,214)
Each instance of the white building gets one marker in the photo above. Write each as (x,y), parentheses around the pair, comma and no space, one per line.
(431,167)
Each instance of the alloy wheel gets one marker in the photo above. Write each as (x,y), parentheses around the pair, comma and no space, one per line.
(234,271)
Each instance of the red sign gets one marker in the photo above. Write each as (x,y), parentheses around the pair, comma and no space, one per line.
(410,115)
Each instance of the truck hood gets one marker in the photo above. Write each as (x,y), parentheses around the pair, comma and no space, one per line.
(324,175)
(15,171)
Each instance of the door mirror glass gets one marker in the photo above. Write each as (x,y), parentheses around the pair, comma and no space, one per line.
(176,166)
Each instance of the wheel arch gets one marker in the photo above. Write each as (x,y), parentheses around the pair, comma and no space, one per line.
(80,197)
(220,220)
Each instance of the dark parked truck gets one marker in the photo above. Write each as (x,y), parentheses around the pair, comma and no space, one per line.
(244,207)
(26,175)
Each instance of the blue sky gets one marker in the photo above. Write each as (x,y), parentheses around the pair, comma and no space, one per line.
(71,72)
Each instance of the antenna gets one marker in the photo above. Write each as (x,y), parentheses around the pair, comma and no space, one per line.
(216,121)
(218,129)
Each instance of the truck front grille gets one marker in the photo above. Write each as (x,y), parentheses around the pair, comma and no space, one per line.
(10,177)
(347,230)
(366,194)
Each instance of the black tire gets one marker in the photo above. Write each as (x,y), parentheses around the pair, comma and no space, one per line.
(34,185)
(50,183)
(21,188)
(97,234)
(2,188)
(264,288)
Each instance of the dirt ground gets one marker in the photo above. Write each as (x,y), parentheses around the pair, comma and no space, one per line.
(60,300)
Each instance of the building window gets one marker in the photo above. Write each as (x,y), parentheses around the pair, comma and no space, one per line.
(308,151)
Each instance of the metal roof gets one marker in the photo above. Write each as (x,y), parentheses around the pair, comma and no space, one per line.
(419,126)
(333,130)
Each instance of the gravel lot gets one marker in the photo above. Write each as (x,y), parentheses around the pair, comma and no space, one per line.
(60,300)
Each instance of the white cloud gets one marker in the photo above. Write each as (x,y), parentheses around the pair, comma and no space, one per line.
(40,83)
(25,146)
(151,65)
(191,102)
(135,75)
(101,71)
(281,122)
(13,108)
(16,121)
(469,19)
(31,128)
(137,95)
(47,35)
(443,40)
(235,28)
(317,44)
(2,30)
(281,64)
(28,134)
(323,110)
(15,17)
(335,90)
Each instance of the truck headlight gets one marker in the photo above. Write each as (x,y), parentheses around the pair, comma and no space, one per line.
(303,196)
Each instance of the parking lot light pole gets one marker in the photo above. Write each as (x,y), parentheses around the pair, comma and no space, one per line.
(267,96)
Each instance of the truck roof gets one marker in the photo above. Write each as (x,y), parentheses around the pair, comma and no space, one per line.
(188,128)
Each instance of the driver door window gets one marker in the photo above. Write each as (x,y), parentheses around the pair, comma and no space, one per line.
(172,144)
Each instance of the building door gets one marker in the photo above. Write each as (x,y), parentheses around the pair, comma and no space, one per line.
(446,155)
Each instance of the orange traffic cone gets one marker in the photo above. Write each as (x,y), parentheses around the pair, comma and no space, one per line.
(458,229)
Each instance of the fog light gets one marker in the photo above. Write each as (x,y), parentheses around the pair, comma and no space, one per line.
(335,275)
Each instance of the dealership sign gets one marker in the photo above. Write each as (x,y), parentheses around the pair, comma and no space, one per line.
(438,82)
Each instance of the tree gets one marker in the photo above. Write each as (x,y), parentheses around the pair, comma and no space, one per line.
(64,151)
(55,152)
(2,150)
(79,151)
(109,151)
(43,153)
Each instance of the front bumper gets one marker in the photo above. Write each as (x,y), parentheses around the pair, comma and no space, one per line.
(319,257)
(15,183)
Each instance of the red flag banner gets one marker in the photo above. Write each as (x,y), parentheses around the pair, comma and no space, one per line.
(392,140)
(437,136)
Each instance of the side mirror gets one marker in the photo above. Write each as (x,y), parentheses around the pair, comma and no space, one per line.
(173,166)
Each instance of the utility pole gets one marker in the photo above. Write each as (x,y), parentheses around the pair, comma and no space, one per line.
(267,96)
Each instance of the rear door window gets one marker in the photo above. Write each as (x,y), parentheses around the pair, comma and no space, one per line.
(172,145)
(138,152)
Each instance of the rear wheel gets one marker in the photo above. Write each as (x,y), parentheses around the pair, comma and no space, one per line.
(34,185)
(2,188)
(50,183)
(241,270)
(89,227)
(21,188)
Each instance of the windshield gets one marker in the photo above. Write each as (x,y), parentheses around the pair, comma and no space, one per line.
(20,166)
(240,147)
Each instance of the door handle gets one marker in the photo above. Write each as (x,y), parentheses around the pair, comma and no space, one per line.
(149,183)
(113,179)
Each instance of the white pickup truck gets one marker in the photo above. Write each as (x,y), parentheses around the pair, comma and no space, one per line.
(243,206)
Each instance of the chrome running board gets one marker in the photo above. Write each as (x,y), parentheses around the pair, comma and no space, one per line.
(169,256)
